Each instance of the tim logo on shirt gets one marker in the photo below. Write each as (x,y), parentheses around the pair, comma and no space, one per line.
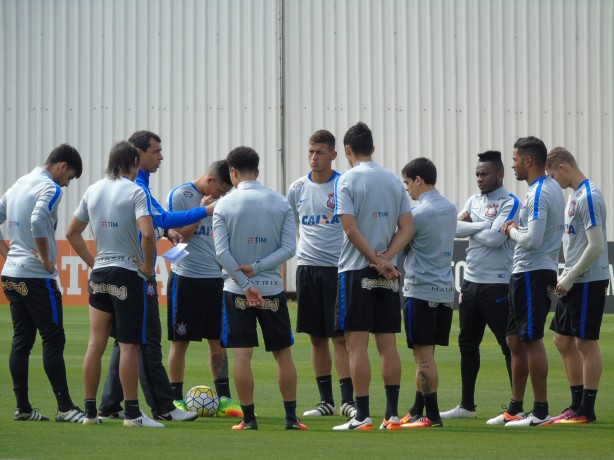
(108,224)
(256,239)
(379,214)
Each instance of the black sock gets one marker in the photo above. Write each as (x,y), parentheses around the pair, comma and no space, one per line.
(576,396)
(588,402)
(90,408)
(540,409)
(63,398)
(132,410)
(23,403)
(432,408)
(222,387)
(248,413)
(347,390)
(290,408)
(325,387)
(470,366)
(515,407)
(418,407)
(362,408)
(177,390)
(392,400)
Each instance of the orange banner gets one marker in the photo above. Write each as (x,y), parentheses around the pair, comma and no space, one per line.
(74,274)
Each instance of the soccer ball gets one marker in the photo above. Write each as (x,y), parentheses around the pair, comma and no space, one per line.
(203,400)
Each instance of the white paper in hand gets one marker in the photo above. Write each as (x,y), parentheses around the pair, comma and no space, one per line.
(176,253)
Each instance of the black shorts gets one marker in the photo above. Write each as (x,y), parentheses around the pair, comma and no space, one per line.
(316,294)
(427,323)
(35,300)
(194,308)
(531,295)
(480,305)
(579,313)
(367,302)
(125,295)
(239,322)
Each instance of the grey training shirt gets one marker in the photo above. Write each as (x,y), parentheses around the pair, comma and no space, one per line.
(376,198)
(31,208)
(544,201)
(320,230)
(201,262)
(489,253)
(254,225)
(428,265)
(112,207)
(585,209)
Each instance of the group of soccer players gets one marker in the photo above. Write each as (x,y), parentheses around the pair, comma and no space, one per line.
(350,228)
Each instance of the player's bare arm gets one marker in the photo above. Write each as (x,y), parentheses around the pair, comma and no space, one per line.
(74,235)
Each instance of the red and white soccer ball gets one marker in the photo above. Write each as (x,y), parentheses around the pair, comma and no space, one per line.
(203,400)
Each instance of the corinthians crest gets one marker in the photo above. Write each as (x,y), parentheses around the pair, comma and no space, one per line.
(491,210)
(331,201)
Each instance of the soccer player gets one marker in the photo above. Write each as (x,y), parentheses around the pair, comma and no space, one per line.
(533,281)
(122,272)
(29,278)
(377,223)
(483,298)
(254,234)
(152,374)
(251,255)
(428,285)
(195,285)
(581,286)
(320,237)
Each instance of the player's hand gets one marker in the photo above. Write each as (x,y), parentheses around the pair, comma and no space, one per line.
(385,268)
(174,236)
(209,203)
(247,270)
(506,228)
(146,270)
(465,217)
(563,286)
(254,298)
(47,263)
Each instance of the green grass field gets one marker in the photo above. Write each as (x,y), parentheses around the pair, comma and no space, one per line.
(212,437)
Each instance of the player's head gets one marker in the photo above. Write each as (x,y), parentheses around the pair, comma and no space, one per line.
(64,164)
(149,148)
(489,171)
(559,164)
(358,142)
(242,161)
(123,161)
(321,151)
(529,155)
(419,175)
(217,179)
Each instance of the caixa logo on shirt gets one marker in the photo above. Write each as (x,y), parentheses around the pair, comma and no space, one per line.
(109,224)
(204,230)
(256,239)
(320,219)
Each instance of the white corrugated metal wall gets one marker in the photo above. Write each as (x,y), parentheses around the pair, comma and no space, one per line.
(201,74)
(439,78)
(447,79)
